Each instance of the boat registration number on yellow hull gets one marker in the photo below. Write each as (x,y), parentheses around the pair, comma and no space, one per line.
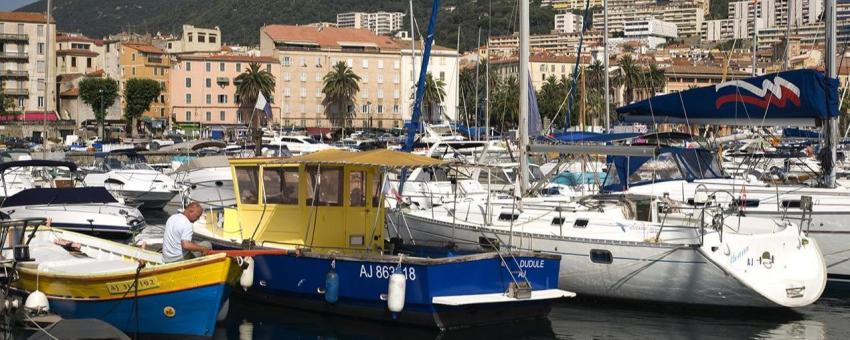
(122,287)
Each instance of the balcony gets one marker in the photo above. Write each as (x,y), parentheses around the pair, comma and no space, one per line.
(14,55)
(155,60)
(13,37)
(16,92)
(224,81)
(13,74)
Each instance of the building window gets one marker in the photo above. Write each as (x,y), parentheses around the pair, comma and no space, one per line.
(188,66)
(318,76)
(365,78)
(318,92)
(202,38)
(380,93)
(303,92)
(133,71)
(395,94)
(365,63)
(238,67)
(188,98)
(286,92)
(303,76)
(349,62)
(209,99)
(209,67)
(88,62)
(188,82)
(442,75)
(395,79)
(40,85)
(221,67)
(40,48)
(380,63)
(190,36)
(188,115)
(208,82)
(286,61)
(395,108)
(209,114)
(40,101)
(213,38)
(221,116)
(364,108)
(222,99)
(40,66)
(73,62)
(380,108)
(380,79)
(364,94)
(395,64)
(269,68)
(40,30)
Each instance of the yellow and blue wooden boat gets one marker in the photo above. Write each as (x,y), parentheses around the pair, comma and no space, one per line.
(128,287)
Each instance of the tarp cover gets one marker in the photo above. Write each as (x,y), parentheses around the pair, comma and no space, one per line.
(57,196)
(799,133)
(583,136)
(792,97)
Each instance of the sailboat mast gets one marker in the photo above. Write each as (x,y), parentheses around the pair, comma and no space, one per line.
(830,128)
(607,98)
(523,96)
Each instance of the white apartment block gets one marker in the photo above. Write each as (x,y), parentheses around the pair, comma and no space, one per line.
(382,23)
(24,68)
(571,4)
(770,17)
(192,40)
(560,43)
(652,32)
(568,23)
(443,65)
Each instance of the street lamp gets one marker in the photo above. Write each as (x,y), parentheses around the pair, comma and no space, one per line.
(368,115)
(100,121)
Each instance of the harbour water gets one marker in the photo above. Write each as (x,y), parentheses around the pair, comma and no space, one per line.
(582,318)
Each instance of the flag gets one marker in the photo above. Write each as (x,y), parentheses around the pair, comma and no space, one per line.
(534,124)
(263,105)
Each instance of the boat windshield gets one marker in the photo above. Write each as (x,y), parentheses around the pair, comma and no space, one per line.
(670,164)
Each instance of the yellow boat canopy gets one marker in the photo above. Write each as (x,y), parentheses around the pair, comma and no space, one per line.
(374,158)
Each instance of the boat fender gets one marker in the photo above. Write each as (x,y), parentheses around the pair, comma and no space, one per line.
(396,291)
(332,284)
(37,302)
(223,311)
(246,280)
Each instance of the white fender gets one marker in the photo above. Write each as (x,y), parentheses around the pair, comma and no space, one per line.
(396,292)
(246,280)
(223,311)
(37,301)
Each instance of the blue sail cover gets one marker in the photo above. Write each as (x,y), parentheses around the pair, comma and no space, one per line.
(671,164)
(798,97)
(592,137)
(800,133)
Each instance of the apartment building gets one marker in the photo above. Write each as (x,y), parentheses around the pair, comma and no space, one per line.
(192,40)
(651,32)
(140,60)
(25,69)
(687,18)
(381,23)
(542,66)
(307,54)
(79,57)
(560,43)
(570,5)
(203,89)
(568,23)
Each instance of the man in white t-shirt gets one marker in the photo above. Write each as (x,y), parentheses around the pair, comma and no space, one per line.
(177,239)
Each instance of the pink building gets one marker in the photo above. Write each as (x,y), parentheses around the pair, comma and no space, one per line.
(203,89)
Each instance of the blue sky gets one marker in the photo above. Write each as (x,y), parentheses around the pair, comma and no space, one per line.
(8,5)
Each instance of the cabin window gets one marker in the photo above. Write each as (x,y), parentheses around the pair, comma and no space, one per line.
(357,189)
(746,203)
(376,190)
(248,182)
(508,217)
(558,221)
(581,223)
(601,256)
(280,185)
(791,204)
(329,189)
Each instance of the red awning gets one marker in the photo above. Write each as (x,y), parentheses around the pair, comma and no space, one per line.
(30,116)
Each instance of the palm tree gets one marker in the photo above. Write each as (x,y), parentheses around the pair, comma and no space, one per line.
(655,78)
(505,109)
(340,87)
(630,76)
(248,86)
(595,75)
(435,95)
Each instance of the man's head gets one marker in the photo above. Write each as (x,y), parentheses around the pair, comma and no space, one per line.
(193,211)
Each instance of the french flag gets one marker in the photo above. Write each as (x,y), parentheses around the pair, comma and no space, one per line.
(263,105)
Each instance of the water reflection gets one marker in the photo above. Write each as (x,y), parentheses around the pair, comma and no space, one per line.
(255,321)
